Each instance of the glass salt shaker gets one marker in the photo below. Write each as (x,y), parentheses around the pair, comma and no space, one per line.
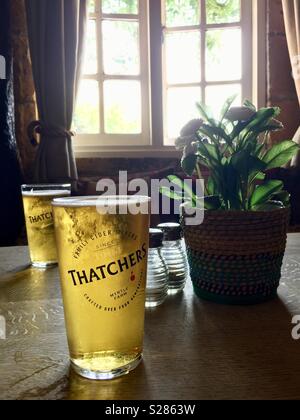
(157,272)
(174,253)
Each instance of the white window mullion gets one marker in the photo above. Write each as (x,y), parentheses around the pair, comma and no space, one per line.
(117,16)
(164,69)
(156,84)
(144,70)
(259,53)
(100,64)
(247,50)
(203,46)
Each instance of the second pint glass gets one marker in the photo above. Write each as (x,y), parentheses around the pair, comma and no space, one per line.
(39,221)
(103,266)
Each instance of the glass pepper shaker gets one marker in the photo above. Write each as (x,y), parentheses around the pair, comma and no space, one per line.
(157,272)
(174,253)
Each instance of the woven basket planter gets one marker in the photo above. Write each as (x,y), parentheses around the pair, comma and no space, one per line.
(235,257)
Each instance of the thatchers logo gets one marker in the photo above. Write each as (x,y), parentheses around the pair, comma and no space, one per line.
(2,67)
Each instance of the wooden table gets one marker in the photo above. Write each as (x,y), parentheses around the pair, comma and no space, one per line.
(193,349)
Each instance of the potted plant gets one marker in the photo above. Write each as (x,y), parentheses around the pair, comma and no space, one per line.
(236,254)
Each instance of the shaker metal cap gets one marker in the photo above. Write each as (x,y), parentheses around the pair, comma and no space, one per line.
(171,231)
(155,238)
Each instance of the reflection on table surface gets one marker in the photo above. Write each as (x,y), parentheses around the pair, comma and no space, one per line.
(193,349)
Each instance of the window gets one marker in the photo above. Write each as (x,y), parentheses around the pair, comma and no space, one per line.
(113,99)
(148,62)
(203,44)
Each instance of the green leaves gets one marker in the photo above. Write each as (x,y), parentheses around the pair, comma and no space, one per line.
(180,190)
(264,192)
(210,152)
(215,133)
(263,116)
(269,206)
(211,186)
(171,194)
(230,187)
(212,202)
(188,192)
(234,151)
(249,105)
(260,123)
(189,164)
(280,154)
(282,197)
(247,165)
(205,112)
(226,107)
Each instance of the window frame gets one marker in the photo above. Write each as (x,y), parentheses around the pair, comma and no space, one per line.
(202,28)
(103,139)
(151,142)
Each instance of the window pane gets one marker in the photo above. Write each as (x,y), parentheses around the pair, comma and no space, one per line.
(182,12)
(122,107)
(223,11)
(181,104)
(120,6)
(121,47)
(223,55)
(86,118)
(90,57)
(183,57)
(217,95)
(92,6)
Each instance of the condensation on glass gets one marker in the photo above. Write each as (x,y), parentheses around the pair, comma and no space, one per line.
(39,221)
(102,249)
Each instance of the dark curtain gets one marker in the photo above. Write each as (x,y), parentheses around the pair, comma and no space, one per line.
(11,212)
(291,11)
(56,31)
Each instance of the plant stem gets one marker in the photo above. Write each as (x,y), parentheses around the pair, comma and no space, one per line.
(199,174)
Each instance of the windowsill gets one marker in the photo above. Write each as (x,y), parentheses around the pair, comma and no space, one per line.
(92,152)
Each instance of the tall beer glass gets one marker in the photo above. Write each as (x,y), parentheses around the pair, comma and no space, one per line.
(102,249)
(39,221)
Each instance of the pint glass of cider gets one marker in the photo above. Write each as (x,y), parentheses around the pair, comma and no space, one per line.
(102,248)
(39,221)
